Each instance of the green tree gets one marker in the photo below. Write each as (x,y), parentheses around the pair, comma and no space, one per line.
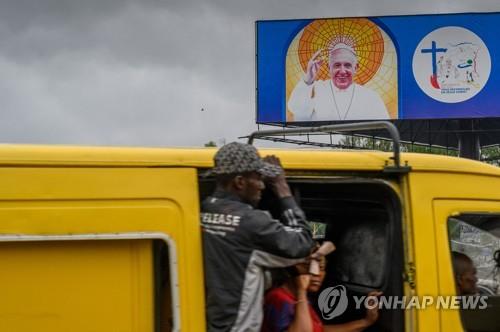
(491,154)
(370,143)
(210,144)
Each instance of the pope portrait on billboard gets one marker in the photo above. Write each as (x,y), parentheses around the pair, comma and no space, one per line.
(341,69)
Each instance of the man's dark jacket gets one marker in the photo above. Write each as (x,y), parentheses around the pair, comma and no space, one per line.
(239,242)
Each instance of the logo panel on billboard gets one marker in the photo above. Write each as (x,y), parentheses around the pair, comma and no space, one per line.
(451,64)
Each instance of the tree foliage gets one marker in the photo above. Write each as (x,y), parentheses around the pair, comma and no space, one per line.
(489,154)
(369,143)
(210,144)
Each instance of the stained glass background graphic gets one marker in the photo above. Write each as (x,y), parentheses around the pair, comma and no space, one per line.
(377,57)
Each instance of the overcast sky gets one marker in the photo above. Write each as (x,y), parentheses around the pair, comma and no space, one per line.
(123,72)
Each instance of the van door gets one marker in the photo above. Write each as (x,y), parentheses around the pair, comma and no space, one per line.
(435,198)
(470,228)
(100,249)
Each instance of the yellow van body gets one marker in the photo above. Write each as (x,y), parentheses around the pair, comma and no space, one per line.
(78,226)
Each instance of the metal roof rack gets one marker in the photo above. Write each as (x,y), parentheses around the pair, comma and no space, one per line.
(345,128)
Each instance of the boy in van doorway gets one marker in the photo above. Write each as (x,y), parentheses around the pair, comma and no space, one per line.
(240,241)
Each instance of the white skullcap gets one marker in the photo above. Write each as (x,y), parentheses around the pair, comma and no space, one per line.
(339,46)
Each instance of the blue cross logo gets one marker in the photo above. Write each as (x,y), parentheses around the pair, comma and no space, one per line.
(433,50)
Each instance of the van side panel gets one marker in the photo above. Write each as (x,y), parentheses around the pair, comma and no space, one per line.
(76,286)
(423,243)
(96,201)
(435,196)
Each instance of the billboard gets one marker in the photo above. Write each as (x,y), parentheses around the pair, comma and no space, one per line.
(394,67)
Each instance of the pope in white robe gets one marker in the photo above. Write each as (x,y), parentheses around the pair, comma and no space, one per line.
(338,98)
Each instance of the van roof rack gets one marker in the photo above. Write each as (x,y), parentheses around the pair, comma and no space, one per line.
(345,128)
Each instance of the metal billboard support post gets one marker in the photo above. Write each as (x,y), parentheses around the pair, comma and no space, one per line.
(468,140)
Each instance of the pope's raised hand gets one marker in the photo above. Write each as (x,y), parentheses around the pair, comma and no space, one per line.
(313,67)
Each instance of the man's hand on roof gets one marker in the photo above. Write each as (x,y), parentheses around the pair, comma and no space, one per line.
(278,183)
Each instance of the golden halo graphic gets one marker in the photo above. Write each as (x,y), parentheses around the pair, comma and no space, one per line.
(361,34)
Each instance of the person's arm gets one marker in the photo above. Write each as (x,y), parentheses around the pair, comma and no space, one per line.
(291,214)
(360,324)
(290,239)
(302,321)
(377,109)
(354,326)
(273,238)
(278,184)
(301,102)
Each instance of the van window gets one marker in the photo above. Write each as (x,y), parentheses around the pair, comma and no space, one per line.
(476,239)
(164,317)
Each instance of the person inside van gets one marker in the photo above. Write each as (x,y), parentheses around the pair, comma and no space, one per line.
(465,274)
(240,241)
(287,307)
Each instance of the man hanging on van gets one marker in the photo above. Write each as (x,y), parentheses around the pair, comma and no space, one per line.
(240,241)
